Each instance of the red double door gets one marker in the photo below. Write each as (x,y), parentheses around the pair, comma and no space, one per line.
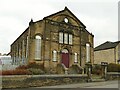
(65,59)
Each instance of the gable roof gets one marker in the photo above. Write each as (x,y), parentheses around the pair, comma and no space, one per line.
(106,45)
(66,9)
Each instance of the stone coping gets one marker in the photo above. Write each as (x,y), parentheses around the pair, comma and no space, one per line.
(55,75)
(18,81)
(113,73)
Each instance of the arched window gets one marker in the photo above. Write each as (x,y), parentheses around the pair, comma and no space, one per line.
(23,52)
(37,47)
(54,55)
(75,57)
(87,52)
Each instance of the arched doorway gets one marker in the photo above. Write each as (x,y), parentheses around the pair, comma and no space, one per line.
(65,57)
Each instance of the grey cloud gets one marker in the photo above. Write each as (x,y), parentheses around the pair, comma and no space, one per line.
(15,17)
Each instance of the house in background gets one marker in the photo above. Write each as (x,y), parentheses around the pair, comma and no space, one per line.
(107,52)
(60,38)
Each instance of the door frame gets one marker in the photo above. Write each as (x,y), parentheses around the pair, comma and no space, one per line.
(65,51)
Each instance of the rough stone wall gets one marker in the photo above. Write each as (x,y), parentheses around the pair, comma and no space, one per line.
(117,52)
(48,29)
(41,80)
(18,50)
(107,55)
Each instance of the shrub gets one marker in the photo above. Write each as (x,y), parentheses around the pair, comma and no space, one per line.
(52,71)
(36,71)
(16,72)
(75,69)
(22,67)
(113,67)
(97,69)
(60,69)
(31,65)
(35,65)
(31,68)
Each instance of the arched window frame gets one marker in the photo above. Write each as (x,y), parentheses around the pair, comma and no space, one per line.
(38,47)
(54,55)
(75,58)
(87,52)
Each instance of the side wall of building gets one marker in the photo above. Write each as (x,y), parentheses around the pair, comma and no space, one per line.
(107,55)
(117,52)
(19,49)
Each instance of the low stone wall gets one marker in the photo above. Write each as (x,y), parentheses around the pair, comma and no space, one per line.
(113,76)
(20,81)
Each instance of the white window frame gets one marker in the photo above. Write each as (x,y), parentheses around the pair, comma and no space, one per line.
(87,53)
(70,39)
(54,55)
(75,58)
(37,47)
(23,51)
(65,38)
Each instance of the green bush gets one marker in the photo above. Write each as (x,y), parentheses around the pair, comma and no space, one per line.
(32,68)
(22,67)
(36,71)
(97,69)
(16,72)
(75,69)
(113,67)
(31,65)
(35,65)
(60,69)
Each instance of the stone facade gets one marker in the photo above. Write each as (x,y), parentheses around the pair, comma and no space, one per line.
(108,52)
(60,38)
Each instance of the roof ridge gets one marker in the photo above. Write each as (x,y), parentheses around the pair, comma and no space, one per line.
(106,45)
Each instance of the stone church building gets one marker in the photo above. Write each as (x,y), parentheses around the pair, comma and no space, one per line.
(58,39)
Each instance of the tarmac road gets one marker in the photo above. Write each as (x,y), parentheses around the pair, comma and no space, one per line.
(111,85)
(105,84)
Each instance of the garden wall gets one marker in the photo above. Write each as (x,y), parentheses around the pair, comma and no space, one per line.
(20,81)
(113,76)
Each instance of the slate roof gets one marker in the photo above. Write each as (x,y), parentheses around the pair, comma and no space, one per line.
(106,45)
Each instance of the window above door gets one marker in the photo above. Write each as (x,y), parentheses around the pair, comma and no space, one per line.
(65,38)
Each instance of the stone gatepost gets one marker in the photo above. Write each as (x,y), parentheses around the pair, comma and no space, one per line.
(66,70)
(88,70)
(104,69)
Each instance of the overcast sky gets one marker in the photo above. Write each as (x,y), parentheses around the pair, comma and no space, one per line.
(99,16)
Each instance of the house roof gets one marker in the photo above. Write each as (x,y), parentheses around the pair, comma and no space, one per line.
(106,45)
